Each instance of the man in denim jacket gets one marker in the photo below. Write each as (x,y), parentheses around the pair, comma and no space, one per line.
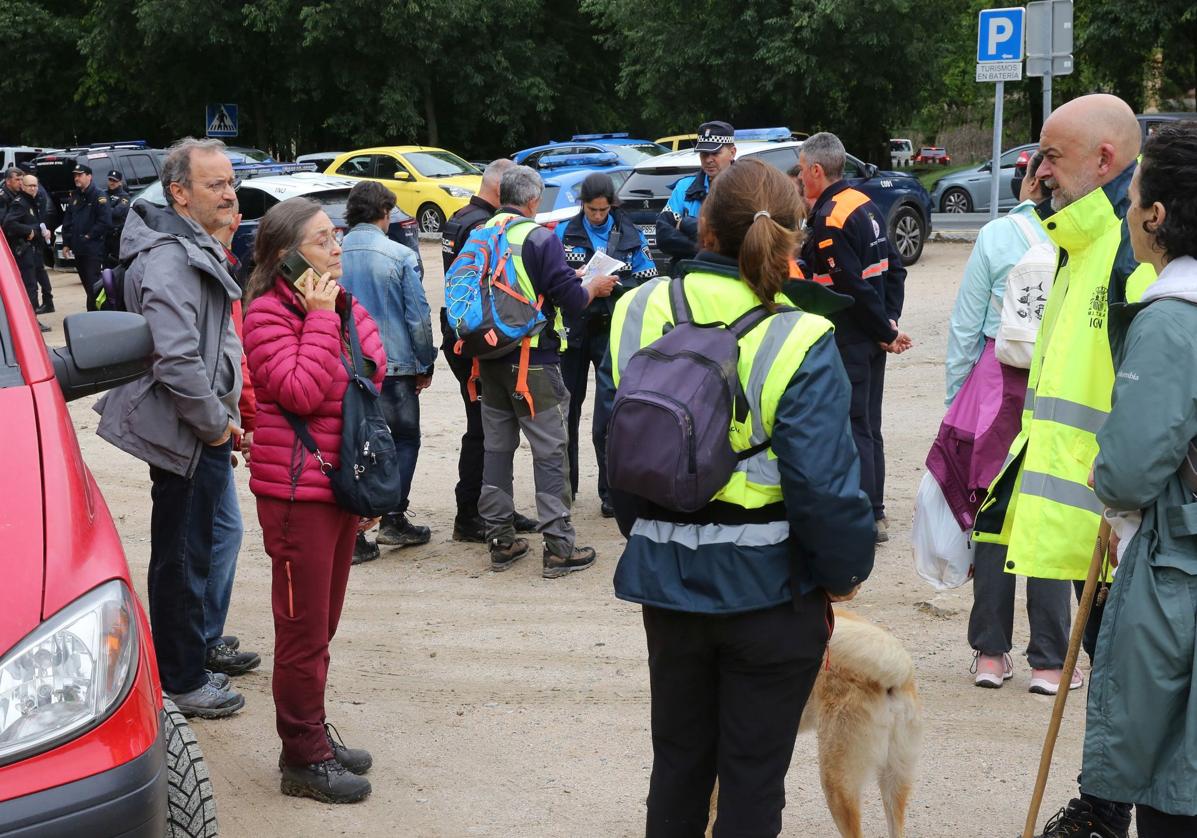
(385,278)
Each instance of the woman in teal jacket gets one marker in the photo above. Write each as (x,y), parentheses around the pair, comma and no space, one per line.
(1141,733)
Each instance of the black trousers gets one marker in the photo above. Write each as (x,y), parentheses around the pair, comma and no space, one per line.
(583,353)
(88,268)
(469,461)
(1153,823)
(865,364)
(727,696)
(28,261)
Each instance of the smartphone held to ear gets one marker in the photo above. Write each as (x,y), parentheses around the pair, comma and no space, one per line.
(294,267)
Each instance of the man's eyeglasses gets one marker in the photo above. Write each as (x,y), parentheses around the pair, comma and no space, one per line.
(217,187)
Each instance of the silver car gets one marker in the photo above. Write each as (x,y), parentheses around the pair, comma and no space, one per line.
(968,190)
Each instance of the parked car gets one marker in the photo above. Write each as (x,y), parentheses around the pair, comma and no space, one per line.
(320,159)
(430,183)
(140,164)
(932,155)
(19,155)
(905,202)
(680,142)
(627,150)
(561,184)
(1150,122)
(968,190)
(901,153)
(256,195)
(88,746)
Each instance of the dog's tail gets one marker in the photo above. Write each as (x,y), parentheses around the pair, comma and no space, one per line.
(870,652)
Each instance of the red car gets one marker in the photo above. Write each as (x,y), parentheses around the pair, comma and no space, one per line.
(929,155)
(87,747)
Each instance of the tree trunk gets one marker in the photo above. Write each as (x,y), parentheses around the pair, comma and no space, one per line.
(430,113)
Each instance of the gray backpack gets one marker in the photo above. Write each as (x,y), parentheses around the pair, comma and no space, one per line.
(668,435)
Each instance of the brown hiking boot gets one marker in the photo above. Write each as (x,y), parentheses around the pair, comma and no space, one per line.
(556,566)
(503,554)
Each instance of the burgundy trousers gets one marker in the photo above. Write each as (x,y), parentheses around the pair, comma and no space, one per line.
(310,547)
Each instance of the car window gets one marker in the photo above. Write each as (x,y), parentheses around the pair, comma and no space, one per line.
(534,159)
(853,168)
(139,169)
(633,154)
(619,179)
(438,164)
(1011,157)
(385,167)
(548,198)
(652,183)
(253,202)
(780,158)
(358,166)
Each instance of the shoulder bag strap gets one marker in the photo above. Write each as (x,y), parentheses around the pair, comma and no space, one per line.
(355,344)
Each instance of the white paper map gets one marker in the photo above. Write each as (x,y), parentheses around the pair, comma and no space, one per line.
(600,265)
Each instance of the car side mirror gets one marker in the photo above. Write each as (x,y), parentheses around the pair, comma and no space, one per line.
(104,350)
(987,168)
(870,171)
(402,175)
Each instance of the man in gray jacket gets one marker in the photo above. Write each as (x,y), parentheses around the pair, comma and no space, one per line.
(182,418)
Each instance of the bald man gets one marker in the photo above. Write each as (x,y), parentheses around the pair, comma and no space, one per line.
(1041,505)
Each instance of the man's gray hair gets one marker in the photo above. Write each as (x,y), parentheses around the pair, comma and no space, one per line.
(493,173)
(177,166)
(12,172)
(520,186)
(826,150)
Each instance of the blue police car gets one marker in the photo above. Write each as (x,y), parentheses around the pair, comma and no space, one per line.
(563,175)
(905,202)
(627,150)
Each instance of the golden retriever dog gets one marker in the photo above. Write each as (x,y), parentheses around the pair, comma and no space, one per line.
(866,712)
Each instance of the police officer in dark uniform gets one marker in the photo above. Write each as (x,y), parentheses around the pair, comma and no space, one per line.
(85,231)
(467,525)
(847,247)
(22,229)
(118,202)
(677,225)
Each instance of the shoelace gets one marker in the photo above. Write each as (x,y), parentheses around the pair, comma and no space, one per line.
(334,736)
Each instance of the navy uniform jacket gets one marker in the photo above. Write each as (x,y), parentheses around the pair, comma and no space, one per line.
(677,225)
(848,248)
(18,221)
(87,222)
(118,204)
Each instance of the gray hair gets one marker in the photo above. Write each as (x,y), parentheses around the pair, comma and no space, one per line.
(520,186)
(493,173)
(13,172)
(826,150)
(176,168)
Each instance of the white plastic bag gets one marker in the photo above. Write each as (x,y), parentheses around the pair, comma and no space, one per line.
(943,553)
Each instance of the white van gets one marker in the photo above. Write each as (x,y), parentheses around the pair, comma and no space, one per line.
(16,155)
(901,152)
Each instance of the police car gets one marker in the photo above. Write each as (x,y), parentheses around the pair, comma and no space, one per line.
(563,175)
(626,150)
(903,200)
(256,195)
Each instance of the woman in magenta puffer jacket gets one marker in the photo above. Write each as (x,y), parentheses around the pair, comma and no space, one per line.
(295,342)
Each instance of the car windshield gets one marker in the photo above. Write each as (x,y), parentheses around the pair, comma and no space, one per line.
(653,183)
(548,198)
(633,154)
(439,164)
(153,194)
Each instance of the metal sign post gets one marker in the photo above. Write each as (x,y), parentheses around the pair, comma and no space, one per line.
(1049,44)
(999,59)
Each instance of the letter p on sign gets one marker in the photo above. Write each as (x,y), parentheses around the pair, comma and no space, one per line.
(1000,35)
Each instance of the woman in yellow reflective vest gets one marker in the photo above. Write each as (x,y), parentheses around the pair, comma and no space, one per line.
(736,597)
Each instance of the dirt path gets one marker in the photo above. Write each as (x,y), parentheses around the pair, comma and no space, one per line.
(507,705)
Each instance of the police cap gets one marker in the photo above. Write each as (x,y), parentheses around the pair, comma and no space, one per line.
(713,136)
(82,169)
(115,174)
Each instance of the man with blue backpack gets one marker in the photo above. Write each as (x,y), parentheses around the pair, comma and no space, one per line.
(504,295)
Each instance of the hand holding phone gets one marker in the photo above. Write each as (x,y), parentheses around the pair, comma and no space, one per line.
(319,293)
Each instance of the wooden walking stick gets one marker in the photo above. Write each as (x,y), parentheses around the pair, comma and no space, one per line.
(1074,648)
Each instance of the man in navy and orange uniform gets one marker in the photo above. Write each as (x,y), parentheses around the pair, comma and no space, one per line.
(847,248)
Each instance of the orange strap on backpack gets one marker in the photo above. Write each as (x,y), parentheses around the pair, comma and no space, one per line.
(521,379)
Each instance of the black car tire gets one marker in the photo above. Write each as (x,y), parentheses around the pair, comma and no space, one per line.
(956,200)
(431,219)
(908,232)
(191,807)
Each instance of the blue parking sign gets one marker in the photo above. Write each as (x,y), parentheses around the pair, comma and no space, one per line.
(1000,35)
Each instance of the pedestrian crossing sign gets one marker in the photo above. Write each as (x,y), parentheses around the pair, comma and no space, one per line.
(221,120)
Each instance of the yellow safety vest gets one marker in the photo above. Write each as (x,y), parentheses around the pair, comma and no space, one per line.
(770,355)
(517,234)
(1041,504)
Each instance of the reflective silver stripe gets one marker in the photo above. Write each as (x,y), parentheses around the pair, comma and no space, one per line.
(693,535)
(1061,491)
(1029,402)
(777,330)
(633,323)
(1074,415)
(761,469)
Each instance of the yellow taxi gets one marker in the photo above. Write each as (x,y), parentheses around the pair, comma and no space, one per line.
(430,184)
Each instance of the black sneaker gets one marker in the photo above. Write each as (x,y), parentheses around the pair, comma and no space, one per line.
(364,550)
(523,523)
(503,554)
(1079,820)
(469,529)
(223,659)
(606,509)
(326,781)
(45,308)
(397,531)
(557,566)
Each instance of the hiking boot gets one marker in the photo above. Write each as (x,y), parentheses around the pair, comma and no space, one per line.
(326,781)
(505,553)
(1047,681)
(469,529)
(43,326)
(881,530)
(208,701)
(523,523)
(353,760)
(45,308)
(223,659)
(232,641)
(397,531)
(991,670)
(1079,820)
(606,509)
(364,550)
(556,566)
